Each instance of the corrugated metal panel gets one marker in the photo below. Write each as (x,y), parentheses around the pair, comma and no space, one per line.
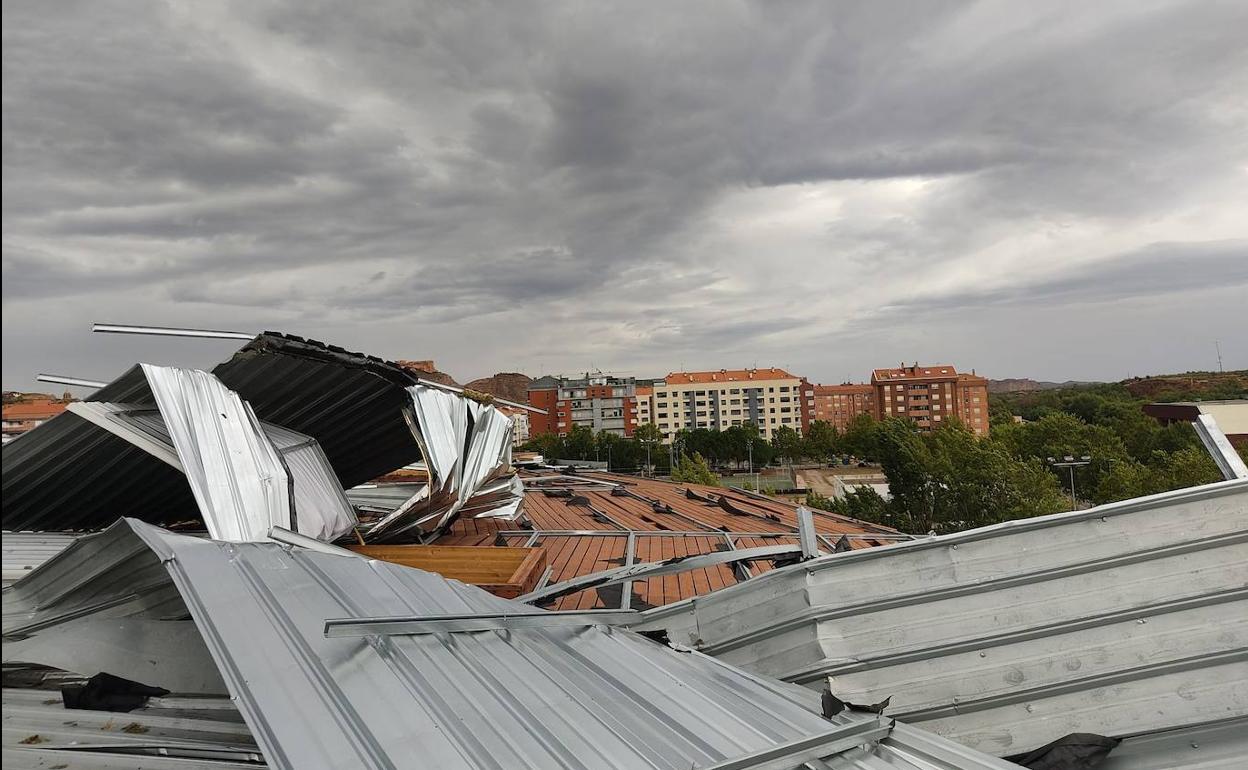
(23,551)
(1127,618)
(68,474)
(168,732)
(351,403)
(537,697)
(196,436)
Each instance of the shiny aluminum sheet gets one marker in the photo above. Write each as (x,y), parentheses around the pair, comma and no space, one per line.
(1125,619)
(467,449)
(236,474)
(557,697)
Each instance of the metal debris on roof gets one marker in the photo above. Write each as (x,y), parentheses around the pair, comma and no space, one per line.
(467,450)
(197,733)
(1119,620)
(583,695)
(187,448)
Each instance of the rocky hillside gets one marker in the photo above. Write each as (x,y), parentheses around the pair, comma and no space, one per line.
(1024,385)
(1190,385)
(509,385)
(428,371)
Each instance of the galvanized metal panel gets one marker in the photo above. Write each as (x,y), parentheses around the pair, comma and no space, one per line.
(1126,618)
(546,697)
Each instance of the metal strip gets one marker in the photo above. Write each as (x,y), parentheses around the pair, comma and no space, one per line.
(441,624)
(741,569)
(657,569)
(630,556)
(101,416)
(287,537)
(168,331)
(1228,460)
(806,532)
(793,754)
(62,379)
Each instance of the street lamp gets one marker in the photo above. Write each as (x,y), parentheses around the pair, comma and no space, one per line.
(1071,462)
(749,447)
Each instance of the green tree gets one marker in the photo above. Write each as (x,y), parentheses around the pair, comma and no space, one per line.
(821,440)
(546,444)
(580,443)
(861,437)
(694,470)
(787,442)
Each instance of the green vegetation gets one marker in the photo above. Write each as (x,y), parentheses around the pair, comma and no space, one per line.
(947,480)
(694,470)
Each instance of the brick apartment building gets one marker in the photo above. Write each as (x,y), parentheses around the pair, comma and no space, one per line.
(596,401)
(930,395)
(769,398)
(840,404)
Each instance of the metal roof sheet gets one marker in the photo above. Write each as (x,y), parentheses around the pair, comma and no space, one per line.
(171,732)
(191,449)
(532,697)
(1127,618)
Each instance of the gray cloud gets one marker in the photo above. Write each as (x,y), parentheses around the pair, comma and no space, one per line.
(807,185)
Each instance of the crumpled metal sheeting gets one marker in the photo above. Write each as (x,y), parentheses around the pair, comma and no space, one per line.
(213,460)
(542,697)
(235,472)
(40,733)
(108,574)
(321,506)
(467,449)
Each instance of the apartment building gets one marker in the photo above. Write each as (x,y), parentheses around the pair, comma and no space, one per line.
(769,398)
(596,401)
(930,395)
(520,429)
(840,404)
(26,415)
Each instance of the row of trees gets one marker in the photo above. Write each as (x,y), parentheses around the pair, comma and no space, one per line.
(947,479)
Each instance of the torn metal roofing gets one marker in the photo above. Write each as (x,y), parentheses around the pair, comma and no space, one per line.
(198,733)
(1124,619)
(566,696)
(190,449)
(467,450)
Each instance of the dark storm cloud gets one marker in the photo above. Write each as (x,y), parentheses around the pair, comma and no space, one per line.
(656,180)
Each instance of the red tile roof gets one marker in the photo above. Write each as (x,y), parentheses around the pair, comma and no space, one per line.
(33,410)
(728,375)
(764,522)
(830,390)
(925,372)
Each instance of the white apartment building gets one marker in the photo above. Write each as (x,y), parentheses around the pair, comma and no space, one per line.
(717,400)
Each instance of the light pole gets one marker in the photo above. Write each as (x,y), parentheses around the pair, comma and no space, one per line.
(749,448)
(1071,462)
(608,458)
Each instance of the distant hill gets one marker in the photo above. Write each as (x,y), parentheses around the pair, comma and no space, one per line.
(509,385)
(1024,385)
(426,370)
(1190,386)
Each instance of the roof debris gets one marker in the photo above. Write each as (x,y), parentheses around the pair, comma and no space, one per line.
(654,625)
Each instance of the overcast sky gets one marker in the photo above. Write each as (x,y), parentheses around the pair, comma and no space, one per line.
(1048,190)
